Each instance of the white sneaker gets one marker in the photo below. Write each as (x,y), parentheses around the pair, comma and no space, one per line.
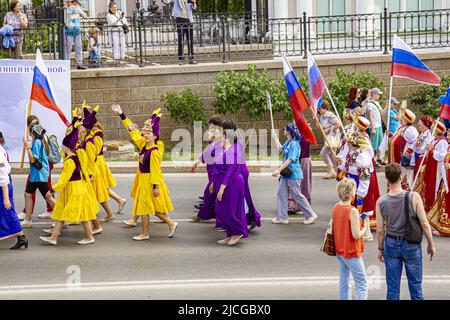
(45,215)
(26,224)
(220,229)
(310,220)
(48,240)
(276,221)
(140,237)
(175,226)
(130,224)
(21,216)
(50,231)
(368,238)
(97,231)
(86,241)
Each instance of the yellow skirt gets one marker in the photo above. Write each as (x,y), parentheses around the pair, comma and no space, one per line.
(105,172)
(99,184)
(75,203)
(144,200)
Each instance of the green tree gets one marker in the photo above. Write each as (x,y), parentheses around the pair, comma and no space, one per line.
(426,97)
(236,6)
(184,107)
(236,92)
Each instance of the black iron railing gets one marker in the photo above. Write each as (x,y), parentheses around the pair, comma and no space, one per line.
(153,38)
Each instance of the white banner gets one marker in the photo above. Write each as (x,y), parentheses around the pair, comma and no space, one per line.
(16,77)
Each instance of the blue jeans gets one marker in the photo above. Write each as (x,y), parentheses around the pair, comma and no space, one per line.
(397,253)
(356,267)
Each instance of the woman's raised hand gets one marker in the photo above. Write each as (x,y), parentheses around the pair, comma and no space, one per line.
(116,108)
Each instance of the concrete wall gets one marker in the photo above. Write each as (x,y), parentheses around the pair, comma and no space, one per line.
(138,90)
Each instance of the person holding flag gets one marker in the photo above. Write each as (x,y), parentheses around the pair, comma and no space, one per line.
(434,169)
(330,124)
(439,214)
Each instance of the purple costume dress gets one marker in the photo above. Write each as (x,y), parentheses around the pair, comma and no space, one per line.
(230,212)
(208,210)
(253,216)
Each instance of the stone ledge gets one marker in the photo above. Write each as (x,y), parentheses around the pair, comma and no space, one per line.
(296,62)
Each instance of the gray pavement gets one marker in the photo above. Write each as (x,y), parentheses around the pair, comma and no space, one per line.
(275,262)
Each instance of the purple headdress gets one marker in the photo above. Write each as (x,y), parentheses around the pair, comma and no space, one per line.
(153,123)
(90,120)
(71,138)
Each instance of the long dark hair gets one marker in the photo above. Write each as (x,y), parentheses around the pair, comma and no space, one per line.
(364,94)
(230,125)
(352,96)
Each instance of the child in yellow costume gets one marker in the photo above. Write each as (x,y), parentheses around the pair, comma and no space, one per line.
(150,193)
(75,202)
(98,180)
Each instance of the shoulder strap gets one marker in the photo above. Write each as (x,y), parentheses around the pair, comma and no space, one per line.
(406,210)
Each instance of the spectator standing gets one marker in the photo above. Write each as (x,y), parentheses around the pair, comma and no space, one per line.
(330,125)
(182,12)
(73,32)
(18,21)
(376,124)
(364,101)
(393,248)
(348,235)
(94,58)
(117,24)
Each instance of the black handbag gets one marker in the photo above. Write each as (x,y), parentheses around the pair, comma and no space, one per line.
(286,172)
(126,29)
(37,164)
(406,161)
(414,231)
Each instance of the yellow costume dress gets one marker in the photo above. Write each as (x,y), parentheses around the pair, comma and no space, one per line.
(75,201)
(149,174)
(99,182)
(101,162)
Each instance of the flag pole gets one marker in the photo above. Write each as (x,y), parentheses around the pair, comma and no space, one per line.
(388,129)
(30,104)
(335,110)
(425,155)
(324,135)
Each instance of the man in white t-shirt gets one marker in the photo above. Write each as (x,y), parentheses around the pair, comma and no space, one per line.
(376,125)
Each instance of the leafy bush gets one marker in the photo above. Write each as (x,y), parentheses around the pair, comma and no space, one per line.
(426,97)
(235,92)
(340,87)
(185,107)
(221,6)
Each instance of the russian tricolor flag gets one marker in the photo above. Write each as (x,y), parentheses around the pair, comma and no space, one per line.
(406,64)
(299,102)
(41,90)
(445,109)
(316,83)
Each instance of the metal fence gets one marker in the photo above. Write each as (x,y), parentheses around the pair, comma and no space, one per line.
(155,39)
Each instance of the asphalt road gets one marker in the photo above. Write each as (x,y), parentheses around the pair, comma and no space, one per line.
(275,262)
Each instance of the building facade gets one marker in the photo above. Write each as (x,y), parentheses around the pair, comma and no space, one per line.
(293,8)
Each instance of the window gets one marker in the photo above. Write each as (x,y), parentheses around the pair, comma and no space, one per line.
(329,8)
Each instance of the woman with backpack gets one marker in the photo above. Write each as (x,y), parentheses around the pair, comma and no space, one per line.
(48,212)
(40,172)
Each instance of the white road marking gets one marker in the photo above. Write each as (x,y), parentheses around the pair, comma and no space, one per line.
(192,284)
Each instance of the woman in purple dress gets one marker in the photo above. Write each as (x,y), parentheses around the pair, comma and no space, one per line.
(206,209)
(228,183)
